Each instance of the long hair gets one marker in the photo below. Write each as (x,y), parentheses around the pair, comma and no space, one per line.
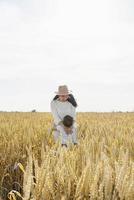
(70,99)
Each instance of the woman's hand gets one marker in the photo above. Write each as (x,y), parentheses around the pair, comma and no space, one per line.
(60,123)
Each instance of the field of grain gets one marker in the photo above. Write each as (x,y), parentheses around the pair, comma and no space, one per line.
(33,167)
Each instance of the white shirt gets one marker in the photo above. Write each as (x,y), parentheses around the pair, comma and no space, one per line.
(67,138)
(59,109)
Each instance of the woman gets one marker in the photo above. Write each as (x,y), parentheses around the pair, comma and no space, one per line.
(63,104)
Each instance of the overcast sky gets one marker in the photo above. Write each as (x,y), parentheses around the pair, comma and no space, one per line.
(85,44)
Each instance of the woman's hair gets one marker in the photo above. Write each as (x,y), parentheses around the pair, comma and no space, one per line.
(71,99)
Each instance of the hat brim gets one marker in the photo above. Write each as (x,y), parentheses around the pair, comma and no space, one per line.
(69,92)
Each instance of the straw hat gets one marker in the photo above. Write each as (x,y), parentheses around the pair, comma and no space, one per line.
(63,90)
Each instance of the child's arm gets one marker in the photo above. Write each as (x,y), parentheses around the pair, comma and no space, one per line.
(74,136)
(63,134)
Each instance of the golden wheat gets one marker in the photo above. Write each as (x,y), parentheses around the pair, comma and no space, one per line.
(33,167)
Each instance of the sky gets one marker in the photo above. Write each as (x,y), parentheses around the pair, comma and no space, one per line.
(87,45)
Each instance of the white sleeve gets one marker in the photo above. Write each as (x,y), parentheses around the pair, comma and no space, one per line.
(59,128)
(56,117)
(74,116)
(73,112)
(74,136)
(75,125)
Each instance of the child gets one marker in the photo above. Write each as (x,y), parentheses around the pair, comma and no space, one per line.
(67,131)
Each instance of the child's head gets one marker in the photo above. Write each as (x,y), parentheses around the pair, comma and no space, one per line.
(68,121)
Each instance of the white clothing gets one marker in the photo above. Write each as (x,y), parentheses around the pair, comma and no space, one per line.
(64,137)
(60,109)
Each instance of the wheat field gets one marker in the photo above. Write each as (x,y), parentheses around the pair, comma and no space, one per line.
(33,167)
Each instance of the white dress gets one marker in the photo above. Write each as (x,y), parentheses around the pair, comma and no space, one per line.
(59,110)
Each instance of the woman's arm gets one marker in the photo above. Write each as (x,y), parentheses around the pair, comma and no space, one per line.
(73,110)
(56,117)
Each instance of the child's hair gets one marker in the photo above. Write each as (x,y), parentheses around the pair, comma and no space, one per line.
(68,121)
(71,99)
